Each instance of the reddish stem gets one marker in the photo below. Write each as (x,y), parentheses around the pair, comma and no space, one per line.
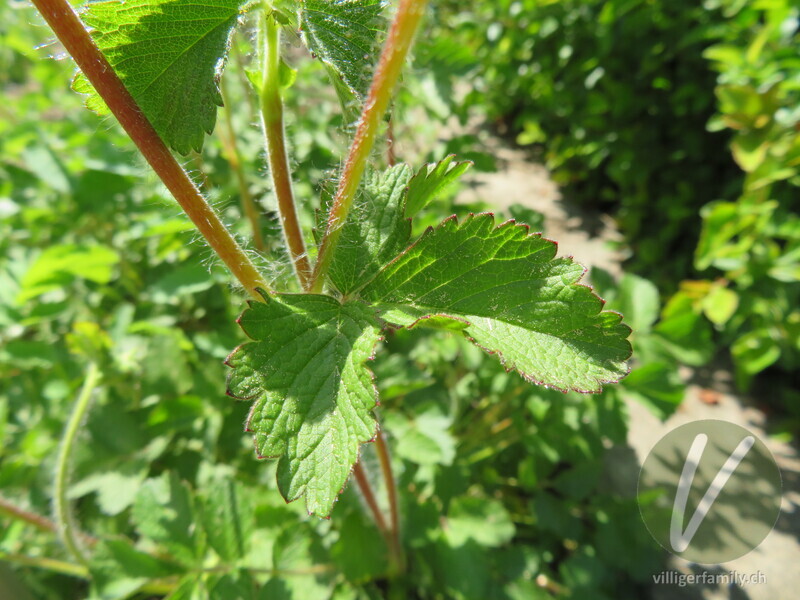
(391,156)
(38,521)
(71,32)
(401,34)
(369,498)
(277,156)
(391,491)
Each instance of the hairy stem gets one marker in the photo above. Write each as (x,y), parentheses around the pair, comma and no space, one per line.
(157,587)
(70,31)
(235,160)
(395,558)
(393,56)
(36,520)
(272,123)
(391,155)
(391,491)
(64,521)
(49,564)
(369,498)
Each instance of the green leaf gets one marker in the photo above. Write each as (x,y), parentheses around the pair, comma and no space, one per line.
(119,570)
(313,395)
(521,302)
(344,35)
(60,265)
(482,520)
(164,512)
(431,181)
(359,553)
(639,301)
(183,281)
(227,518)
(657,386)
(424,440)
(375,233)
(298,548)
(683,333)
(170,55)
(720,304)
(116,490)
(752,353)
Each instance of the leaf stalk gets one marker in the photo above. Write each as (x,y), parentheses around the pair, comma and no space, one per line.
(277,156)
(391,491)
(401,34)
(235,160)
(72,34)
(65,523)
(395,559)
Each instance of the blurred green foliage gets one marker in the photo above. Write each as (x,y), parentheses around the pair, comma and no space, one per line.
(618,95)
(752,244)
(682,119)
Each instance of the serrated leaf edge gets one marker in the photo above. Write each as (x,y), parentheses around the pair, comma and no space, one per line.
(526,376)
(376,395)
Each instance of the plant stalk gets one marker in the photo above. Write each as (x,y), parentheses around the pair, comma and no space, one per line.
(391,491)
(67,529)
(49,564)
(274,133)
(401,34)
(395,556)
(369,498)
(72,34)
(38,521)
(156,587)
(235,160)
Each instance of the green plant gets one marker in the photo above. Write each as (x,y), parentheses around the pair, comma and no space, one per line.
(752,245)
(313,396)
(617,96)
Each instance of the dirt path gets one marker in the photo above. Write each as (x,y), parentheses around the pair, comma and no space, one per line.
(778,557)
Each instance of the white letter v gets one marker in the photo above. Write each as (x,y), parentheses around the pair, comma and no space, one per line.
(680,539)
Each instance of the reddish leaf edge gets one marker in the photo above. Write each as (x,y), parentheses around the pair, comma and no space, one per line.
(376,429)
(554,246)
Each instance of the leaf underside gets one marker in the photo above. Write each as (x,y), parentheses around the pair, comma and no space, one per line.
(344,34)
(521,303)
(313,394)
(373,234)
(431,181)
(170,55)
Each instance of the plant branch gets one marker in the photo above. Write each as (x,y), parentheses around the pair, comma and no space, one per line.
(67,530)
(369,498)
(393,56)
(158,587)
(272,123)
(391,492)
(72,34)
(235,160)
(391,155)
(154,586)
(395,551)
(49,564)
(36,520)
